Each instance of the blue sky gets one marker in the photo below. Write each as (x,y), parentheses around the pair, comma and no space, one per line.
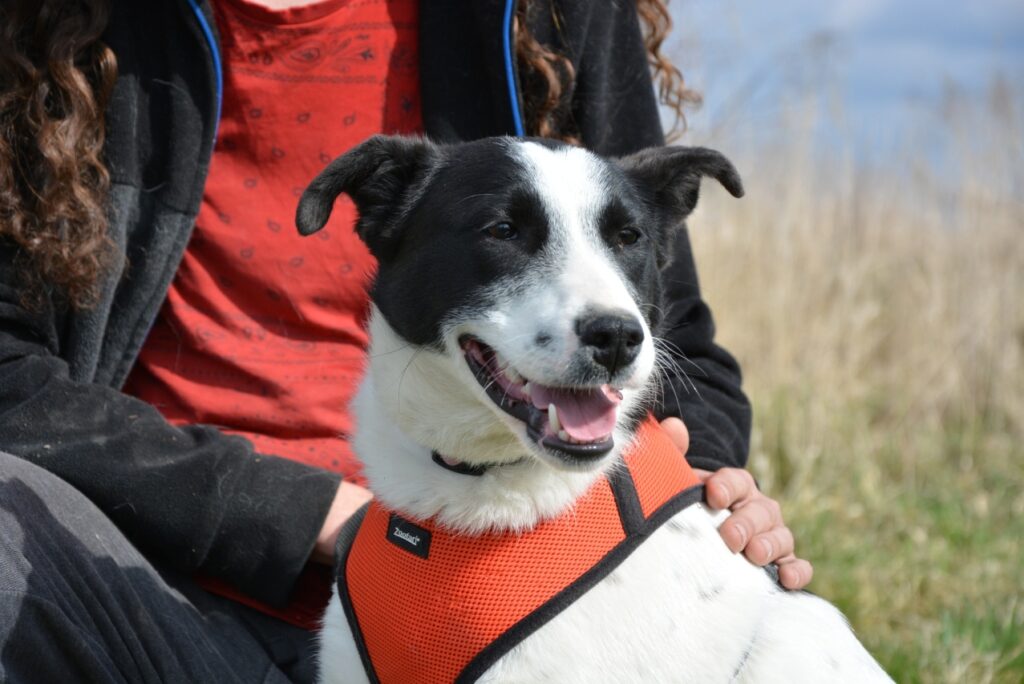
(884,60)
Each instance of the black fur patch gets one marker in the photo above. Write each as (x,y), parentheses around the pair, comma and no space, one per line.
(424,210)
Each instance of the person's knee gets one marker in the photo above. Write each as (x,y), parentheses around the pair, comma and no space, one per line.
(42,516)
(56,547)
(25,519)
(14,468)
(50,578)
(32,496)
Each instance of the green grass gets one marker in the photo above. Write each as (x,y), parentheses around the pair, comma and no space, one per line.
(927,564)
(878,314)
(916,534)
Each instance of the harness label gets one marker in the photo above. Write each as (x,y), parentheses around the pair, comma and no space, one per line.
(408,536)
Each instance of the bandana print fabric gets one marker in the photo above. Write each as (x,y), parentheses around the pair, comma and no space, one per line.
(263,333)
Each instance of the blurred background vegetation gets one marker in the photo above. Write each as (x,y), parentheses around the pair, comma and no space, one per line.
(872,287)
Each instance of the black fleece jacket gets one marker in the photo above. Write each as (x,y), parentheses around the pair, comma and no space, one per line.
(192,497)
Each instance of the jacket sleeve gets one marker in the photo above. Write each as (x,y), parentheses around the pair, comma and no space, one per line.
(615,109)
(191,497)
(703,385)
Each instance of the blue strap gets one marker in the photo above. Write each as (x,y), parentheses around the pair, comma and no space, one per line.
(510,74)
(215,52)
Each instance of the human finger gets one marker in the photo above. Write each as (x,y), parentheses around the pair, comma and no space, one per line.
(795,573)
(756,516)
(769,546)
(729,488)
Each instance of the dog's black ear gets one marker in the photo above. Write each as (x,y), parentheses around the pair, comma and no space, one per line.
(378,174)
(673,175)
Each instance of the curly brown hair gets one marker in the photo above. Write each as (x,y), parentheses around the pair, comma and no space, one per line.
(56,77)
(549,74)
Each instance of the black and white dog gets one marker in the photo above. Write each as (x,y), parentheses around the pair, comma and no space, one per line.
(514,319)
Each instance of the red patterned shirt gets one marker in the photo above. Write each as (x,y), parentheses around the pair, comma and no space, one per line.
(262,332)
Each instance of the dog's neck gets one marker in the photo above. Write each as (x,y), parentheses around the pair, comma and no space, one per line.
(409,405)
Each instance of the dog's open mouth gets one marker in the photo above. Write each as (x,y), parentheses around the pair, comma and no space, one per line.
(573,422)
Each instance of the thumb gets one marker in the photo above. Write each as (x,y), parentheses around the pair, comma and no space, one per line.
(677,432)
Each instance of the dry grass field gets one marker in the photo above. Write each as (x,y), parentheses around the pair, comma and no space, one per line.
(877,309)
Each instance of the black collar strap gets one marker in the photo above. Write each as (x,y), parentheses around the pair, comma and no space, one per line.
(463,468)
(460,467)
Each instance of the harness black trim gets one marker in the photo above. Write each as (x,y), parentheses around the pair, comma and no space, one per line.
(341,552)
(637,529)
(563,599)
(631,513)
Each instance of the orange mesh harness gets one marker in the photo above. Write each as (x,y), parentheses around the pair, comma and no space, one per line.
(425,605)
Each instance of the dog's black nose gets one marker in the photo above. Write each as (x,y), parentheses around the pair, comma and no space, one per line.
(614,338)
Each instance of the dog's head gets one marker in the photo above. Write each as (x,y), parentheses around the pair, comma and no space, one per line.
(524,275)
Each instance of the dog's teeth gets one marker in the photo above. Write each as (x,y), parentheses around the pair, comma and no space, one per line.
(556,427)
(563,435)
(513,375)
(526,388)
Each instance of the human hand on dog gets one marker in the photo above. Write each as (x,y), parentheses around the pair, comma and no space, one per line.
(347,501)
(755,527)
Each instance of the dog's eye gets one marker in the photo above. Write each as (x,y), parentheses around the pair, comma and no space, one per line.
(502,231)
(627,236)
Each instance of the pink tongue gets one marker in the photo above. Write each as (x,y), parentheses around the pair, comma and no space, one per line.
(587,415)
